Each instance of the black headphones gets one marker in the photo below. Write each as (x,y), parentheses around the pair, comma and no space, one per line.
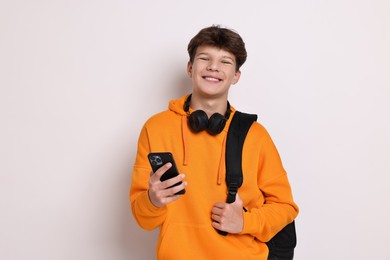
(199,121)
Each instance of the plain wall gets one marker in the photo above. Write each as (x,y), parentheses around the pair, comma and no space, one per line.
(79,78)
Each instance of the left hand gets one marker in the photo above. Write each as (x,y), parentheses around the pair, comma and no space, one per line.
(228,217)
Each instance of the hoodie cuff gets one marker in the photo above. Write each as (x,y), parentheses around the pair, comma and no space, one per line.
(251,225)
(150,208)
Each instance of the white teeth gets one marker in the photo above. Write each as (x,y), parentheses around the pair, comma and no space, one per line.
(211,79)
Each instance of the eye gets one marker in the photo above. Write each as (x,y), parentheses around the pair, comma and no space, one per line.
(226,62)
(203,58)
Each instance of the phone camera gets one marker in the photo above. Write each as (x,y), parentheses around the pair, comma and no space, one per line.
(156,160)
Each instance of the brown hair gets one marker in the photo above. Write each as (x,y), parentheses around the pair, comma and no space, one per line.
(222,38)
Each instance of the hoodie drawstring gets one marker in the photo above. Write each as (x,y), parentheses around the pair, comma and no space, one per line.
(221,167)
(177,107)
(184,130)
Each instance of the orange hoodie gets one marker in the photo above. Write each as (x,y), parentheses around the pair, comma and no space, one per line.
(185,225)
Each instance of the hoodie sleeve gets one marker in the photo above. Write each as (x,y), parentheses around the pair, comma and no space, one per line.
(145,213)
(278,207)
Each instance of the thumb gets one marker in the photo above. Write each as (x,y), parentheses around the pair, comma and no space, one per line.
(238,199)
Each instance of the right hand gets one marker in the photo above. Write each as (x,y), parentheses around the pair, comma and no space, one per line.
(158,193)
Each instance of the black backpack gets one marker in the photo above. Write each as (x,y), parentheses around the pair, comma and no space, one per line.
(281,246)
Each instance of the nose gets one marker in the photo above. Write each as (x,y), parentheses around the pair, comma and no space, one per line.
(213,66)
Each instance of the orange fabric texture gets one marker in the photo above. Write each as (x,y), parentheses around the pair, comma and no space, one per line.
(185,225)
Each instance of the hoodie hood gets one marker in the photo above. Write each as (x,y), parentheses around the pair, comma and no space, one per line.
(177,106)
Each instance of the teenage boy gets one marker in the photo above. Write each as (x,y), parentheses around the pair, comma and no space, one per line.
(194,130)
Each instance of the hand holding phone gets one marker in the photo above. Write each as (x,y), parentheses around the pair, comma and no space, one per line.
(157,160)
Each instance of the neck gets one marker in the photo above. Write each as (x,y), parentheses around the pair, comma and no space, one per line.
(209,105)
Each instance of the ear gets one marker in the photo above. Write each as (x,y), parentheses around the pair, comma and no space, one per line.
(189,69)
(236,77)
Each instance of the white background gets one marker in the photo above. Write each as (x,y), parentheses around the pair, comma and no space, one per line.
(79,78)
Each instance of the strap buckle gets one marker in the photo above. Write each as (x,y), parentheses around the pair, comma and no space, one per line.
(232,191)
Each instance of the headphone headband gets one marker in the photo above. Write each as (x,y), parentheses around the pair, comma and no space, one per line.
(199,121)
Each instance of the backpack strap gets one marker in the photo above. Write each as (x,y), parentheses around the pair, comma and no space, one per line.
(238,129)
(282,245)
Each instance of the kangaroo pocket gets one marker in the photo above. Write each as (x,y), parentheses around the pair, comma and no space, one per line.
(183,241)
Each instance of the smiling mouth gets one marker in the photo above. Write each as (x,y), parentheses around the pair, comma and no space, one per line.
(212,79)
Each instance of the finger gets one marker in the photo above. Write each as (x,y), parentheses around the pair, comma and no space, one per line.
(216,218)
(161,170)
(155,177)
(220,205)
(217,225)
(216,211)
(238,198)
(162,197)
(238,202)
(179,187)
(172,191)
(172,181)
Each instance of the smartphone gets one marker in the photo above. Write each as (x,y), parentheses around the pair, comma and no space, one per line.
(159,159)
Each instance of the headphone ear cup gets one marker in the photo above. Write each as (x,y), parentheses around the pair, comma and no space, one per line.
(217,123)
(198,121)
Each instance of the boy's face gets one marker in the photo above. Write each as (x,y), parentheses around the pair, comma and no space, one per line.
(213,71)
